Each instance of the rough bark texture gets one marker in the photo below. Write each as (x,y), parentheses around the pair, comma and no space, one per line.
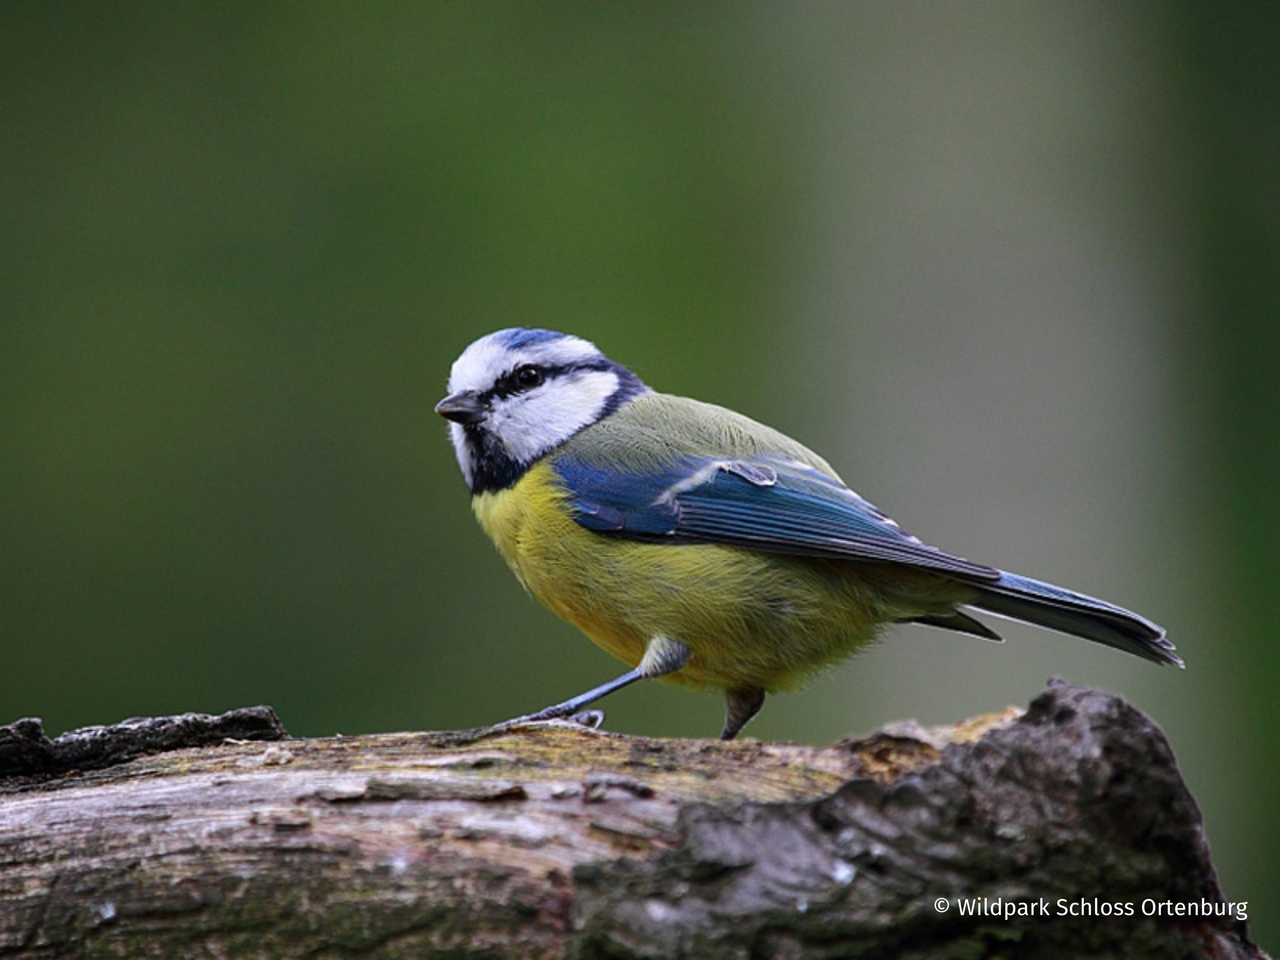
(558,841)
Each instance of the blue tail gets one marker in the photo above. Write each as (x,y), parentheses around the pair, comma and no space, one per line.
(1045,605)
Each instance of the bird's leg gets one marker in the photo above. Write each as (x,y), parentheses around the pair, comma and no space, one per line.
(571,706)
(740,705)
(663,656)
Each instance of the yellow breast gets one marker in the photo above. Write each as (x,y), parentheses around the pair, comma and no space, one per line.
(568,568)
(750,619)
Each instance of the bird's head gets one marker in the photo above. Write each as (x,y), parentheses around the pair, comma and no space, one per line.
(516,394)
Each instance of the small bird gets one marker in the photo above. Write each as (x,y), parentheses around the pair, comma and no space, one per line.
(699,546)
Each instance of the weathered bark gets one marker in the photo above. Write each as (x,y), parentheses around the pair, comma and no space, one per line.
(557,841)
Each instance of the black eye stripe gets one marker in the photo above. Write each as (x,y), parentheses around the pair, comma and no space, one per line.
(522,378)
(519,381)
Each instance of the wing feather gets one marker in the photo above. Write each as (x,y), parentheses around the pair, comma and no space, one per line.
(774,504)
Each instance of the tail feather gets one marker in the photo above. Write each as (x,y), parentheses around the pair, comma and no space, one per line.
(1045,605)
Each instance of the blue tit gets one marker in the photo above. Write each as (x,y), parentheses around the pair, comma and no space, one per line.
(699,546)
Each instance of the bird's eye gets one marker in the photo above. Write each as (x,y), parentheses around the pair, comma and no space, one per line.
(527,377)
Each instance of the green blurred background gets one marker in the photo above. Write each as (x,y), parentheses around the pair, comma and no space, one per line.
(1012,267)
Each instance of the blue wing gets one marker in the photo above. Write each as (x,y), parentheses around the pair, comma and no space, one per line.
(785,506)
(777,504)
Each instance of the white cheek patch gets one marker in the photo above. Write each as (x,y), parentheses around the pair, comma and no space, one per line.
(532,423)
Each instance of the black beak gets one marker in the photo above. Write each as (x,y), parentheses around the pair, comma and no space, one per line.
(462,407)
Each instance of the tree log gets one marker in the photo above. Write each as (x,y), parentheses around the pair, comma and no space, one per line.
(1063,831)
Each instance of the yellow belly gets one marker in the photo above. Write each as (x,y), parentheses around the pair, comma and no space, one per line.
(750,619)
